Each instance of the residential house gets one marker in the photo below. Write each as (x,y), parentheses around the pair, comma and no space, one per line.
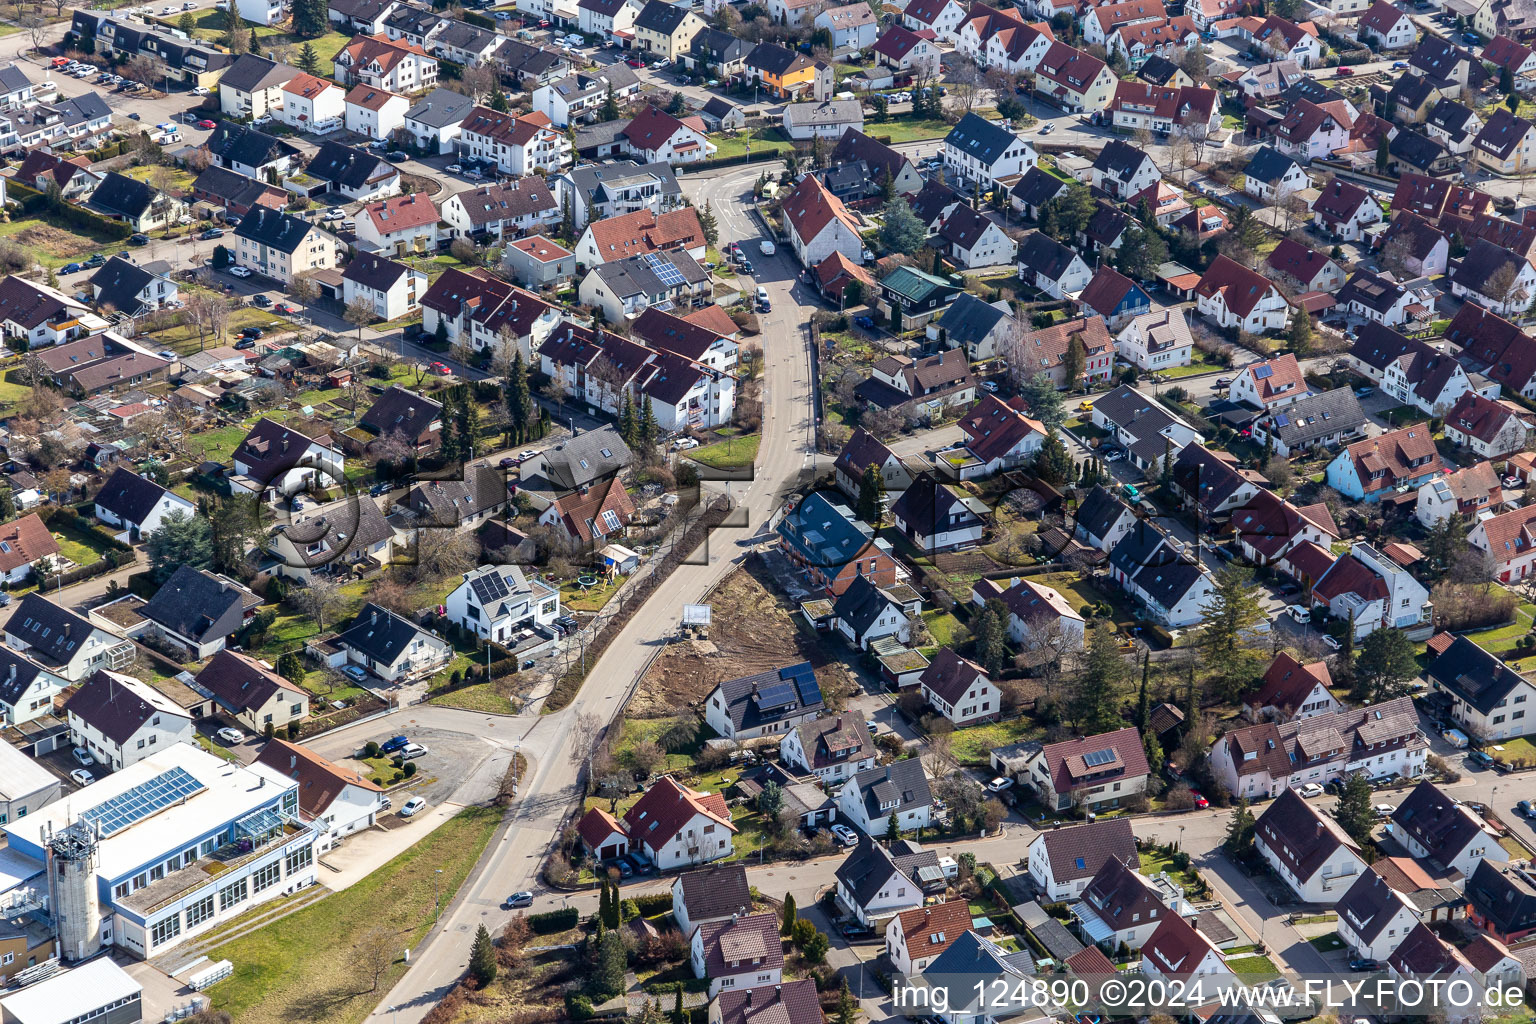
(1161,574)
(1063,861)
(832,748)
(864,615)
(915,938)
(1414,152)
(625,288)
(199,611)
(787,74)
(415,419)
(399,226)
(1114,298)
(1033,191)
(1102,519)
(497,601)
(281,247)
(1272,175)
(61,642)
(1120,907)
(120,721)
(1286,40)
(1291,691)
(235,193)
(375,113)
(665,31)
(1421,248)
(1052,267)
(1073,80)
(765,703)
(131,289)
(1163,107)
(539,262)
(435,122)
(1264,760)
(1374,917)
(1210,483)
(359,175)
(911,298)
(676,826)
(869,799)
(1453,125)
(25,546)
(391,646)
(1267,526)
(312,104)
(1380,299)
(1507,354)
(1143,427)
(142,206)
(1345,210)
(517,145)
(906,51)
(1371,590)
(255,154)
(875,882)
(959,689)
(253,86)
(657,137)
(941,17)
(980,151)
(853,27)
(862,451)
(716,893)
(819,224)
(1410,370)
(1491,429)
(1373,468)
(253,693)
(1308,850)
(279,458)
(1498,279)
(1384,27)
(1122,170)
(1446,832)
(390,288)
(937,516)
(1176,950)
(1468,492)
(1486,698)
(1506,53)
(72,177)
(1151,341)
(897,380)
(1039,617)
(977,327)
(1309,132)
(1507,144)
(1503,901)
(501,211)
(823,538)
(338,800)
(1094,772)
(376,60)
(973,240)
(137,504)
(998,436)
(1234,296)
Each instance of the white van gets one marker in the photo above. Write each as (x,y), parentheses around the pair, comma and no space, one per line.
(167,138)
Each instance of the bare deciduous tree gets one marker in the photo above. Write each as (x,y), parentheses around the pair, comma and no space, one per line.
(317,600)
(373,955)
(443,553)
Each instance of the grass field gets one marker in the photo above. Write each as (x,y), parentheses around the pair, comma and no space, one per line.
(974,744)
(180,181)
(574,598)
(1259,966)
(54,246)
(910,130)
(732,453)
(307,965)
(80,546)
(212,25)
(765,143)
(482,697)
(1200,364)
(1326,943)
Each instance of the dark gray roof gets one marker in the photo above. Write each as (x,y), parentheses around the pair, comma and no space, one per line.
(1157,70)
(412,21)
(370,270)
(983,140)
(1416,149)
(717,891)
(120,194)
(129,496)
(440,108)
(1473,675)
(1442,826)
(589,180)
(1119,159)
(1210,481)
(660,16)
(861,604)
(596,83)
(1039,253)
(120,283)
(53,635)
(233,143)
(450,502)
(587,458)
(636,275)
(1269,165)
(400,411)
(1037,187)
(273,228)
(234,188)
(969,320)
(16,674)
(114,709)
(88,106)
(898,786)
(752,701)
(347,167)
(1504,895)
(464,36)
(970,967)
(380,634)
(1307,419)
(1133,412)
(769,57)
(720,48)
(869,866)
(1099,511)
(348,526)
(197,605)
(250,72)
(13,79)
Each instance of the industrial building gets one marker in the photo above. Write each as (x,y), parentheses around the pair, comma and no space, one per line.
(100,992)
(154,854)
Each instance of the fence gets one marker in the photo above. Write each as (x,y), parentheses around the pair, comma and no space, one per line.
(594,638)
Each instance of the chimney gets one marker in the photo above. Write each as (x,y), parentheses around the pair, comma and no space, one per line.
(67,627)
(749,997)
(293,761)
(373,620)
(12,674)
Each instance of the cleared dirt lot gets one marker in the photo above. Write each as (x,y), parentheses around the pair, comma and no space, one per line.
(754,629)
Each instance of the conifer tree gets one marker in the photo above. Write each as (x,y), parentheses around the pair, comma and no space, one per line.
(787,918)
(482,958)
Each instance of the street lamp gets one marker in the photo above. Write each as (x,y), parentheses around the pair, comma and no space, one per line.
(1181,842)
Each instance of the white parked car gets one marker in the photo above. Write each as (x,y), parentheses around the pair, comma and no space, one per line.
(845,835)
(201,90)
(412,806)
(1331,643)
(1384,810)
(1299,612)
(228,735)
(999,784)
(455,169)
(240,271)
(82,757)
(82,777)
(766,247)
(1311,789)
(411,751)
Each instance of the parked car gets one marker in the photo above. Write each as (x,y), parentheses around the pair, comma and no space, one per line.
(1384,810)
(999,784)
(260,300)
(238,271)
(82,777)
(206,125)
(1331,643)
(765,247)
(243,344)
(854,929)
(1200,801)
(82,757)
(1311,789)
(520,899)
(1346,73)
(411,751)
(1363,964)
(138,239)
(1300,612)
(412,807)
(845,835)
(1524,807)
(353,672)
(283,307)
(393,744)
(228,735)
(1481,757)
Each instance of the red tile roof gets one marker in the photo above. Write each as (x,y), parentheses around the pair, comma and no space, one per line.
(1292,258)
(810,208)
(1400,454)
(24,541)
(1284,380)
(1241,288)
(596,826)
(644,231)
(666,807)
(320,781)
(1069,771)
(401,213)
(933,929)
(1287,683)
(993,427)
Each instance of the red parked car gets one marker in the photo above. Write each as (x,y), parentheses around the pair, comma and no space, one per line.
(635,62)
(1345,73)
(206,125)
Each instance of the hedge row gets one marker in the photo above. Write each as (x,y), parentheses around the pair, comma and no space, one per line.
(32,201)
(653,903)
(552,921)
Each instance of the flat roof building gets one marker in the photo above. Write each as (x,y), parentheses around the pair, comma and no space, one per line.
(98,991)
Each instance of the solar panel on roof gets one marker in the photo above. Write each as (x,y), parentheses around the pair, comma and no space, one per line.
(775,695)
(668,274)
(489,587)
(1282,420)
(142,800)
(1098,757)
(1262,372)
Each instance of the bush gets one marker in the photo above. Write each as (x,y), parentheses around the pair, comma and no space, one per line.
(409,769)
(578,1006)
(652,903)
(552,921)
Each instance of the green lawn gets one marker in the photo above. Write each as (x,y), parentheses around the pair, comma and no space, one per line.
(732,453)
(574,598)
(180,181)
(1518,749)
(220,443)
(1259,966)
(212,25)
(54,246)
(1200,364)
(1496,640)
(942,626)
(183,340)
(639,730)
(11,393)
(910,129)
(83,547)
(767,142)
(1327,943)
(974,744)
(305,966)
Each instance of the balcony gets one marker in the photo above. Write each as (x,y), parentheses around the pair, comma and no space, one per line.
(268,839)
